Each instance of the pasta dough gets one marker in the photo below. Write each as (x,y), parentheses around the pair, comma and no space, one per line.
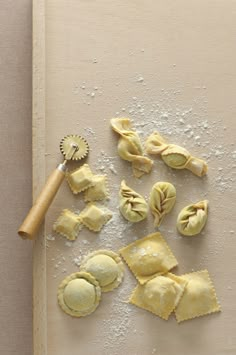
(199,297)
(99,190)
(79,294)
(107,268)
(68,224)
(192,218)
(162,200)
(175,156)
(80,179)
(149,257)
(130,148)
(94,217)
(132,206)
(160,295)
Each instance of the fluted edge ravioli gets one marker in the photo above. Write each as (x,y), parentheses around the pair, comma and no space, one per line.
(132,205)
(199,297)
(130,147)
(95,217)
(160,295)
(162,200)
(175,156)
(107,268)
(68,224)
(80,179)
(84,292)
(192,218)
(149,257)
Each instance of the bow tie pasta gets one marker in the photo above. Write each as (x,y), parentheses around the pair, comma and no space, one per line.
(133,207)
(130,148)
(192,218)
(162,200)
(175,156)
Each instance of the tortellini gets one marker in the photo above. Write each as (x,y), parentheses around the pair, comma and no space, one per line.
(199,297)
(130,148)
(192,218)
(79,294)
(175,156)
(162,200)
(132,206)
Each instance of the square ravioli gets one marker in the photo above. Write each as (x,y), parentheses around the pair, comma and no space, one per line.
(149,257)
(68,224)
(199,297)
(99,190)
(94,217)
(160,295)
(80,179)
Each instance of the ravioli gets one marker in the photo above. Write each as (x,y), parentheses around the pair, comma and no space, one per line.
(162,200)
(80,179)
(68,224)
(79,294)
(94,217)
(132,206)
(99,191)
(149,257)
(107,268)
(199,297)
(192,219)
(160,295)
(175,156)
(130,147)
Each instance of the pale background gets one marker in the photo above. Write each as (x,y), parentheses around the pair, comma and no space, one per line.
(210,61)
(15,177)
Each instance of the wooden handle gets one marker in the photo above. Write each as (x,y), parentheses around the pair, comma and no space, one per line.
(33,220)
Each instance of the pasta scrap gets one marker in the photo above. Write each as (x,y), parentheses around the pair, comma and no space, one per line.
(199,297)
(99,190)
(160,295)
(175,156)
(107,268)
(192,218)
(68,224)
(79,294)
(162,200)
(149,257)
(80,179)
(132,206)
(130,148)
(94,217)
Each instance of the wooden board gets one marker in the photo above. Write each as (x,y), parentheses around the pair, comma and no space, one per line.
(170,66)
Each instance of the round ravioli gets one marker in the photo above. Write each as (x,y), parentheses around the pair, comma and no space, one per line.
(107,268)
(79,294)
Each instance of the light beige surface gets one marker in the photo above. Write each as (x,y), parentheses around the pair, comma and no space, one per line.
(185,52)
(15,177)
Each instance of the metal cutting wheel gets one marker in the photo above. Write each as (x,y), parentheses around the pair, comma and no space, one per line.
(73,147)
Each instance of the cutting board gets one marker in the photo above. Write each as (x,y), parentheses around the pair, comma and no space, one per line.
(168,66)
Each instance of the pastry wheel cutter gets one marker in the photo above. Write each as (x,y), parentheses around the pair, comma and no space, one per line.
(73,147)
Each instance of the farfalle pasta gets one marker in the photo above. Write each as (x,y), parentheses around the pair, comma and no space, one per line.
(162,200)
(192,218)
(132,206)
(175,156)
(130,147)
